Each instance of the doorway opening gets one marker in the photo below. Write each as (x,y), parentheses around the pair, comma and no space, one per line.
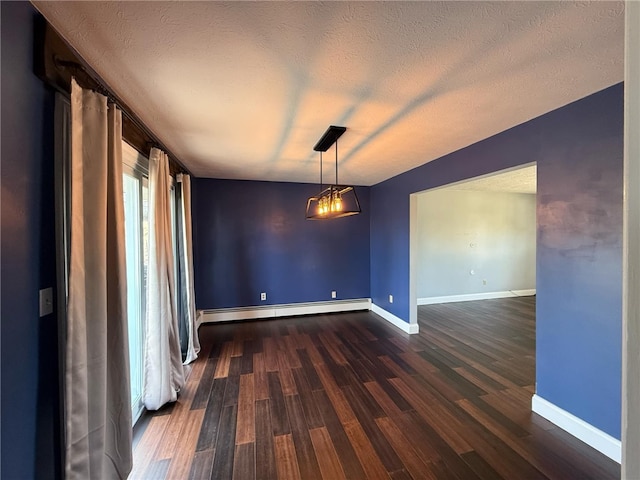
(474,239)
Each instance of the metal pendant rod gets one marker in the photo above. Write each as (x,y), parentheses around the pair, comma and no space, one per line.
(336,161)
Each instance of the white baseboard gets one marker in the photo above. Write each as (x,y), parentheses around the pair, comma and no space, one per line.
(475,296)
(601,441)
(396,321)
(285,310)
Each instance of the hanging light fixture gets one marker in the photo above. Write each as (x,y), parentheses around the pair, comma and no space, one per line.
(336,200)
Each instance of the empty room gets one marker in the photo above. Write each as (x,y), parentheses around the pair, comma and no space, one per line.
(320,240)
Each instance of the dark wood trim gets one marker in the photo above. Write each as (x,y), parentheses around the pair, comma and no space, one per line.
(56,62)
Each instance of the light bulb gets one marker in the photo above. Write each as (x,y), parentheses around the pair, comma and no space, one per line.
(323,205)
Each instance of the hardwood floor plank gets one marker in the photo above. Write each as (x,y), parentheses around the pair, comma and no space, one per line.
(225,445)
(245,430)
(361,401)
(372,465)
(201,465)
(222,367)
(326,454)
(270,350)
(204,387)
(292,344)
(389,406)
(246,366)
(312,349)
(494,416)
(425,441)
(305,454)
(279,417)
(209,431)
(338,372)
(286,378)
(440,418)
(260,377)
(311,412)
(244,462)
(286,462)
(404,449)
(383,381)
(331,344)
(158,469)
(146,448)
(448,455)
(480,467)
(400,475)
(309,370)
(182,457)
(237,346)
(339,402)
(265,456)
(346,453)
(233,382)
(172,433)
(380,444)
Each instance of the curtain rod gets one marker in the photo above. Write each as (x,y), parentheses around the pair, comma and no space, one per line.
(55,62)
(112,98)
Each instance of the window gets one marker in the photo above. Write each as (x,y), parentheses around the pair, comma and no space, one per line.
(136,216)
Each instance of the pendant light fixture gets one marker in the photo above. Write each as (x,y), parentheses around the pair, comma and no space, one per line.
(335,200)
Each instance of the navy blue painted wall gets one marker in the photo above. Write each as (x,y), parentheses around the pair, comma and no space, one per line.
(579,259)
(252,237)
(29,344)
(578,149)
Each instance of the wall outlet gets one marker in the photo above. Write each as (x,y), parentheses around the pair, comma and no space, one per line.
(333,294)
(263,296)
(484,282)
(390,298)
(46,301)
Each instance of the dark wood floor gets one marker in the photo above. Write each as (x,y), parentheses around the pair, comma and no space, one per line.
(348,396)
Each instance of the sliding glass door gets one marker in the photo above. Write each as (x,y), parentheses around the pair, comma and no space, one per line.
(136,214)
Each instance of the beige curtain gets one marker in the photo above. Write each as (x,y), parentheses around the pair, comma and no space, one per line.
(97,391)
(164,376)
(188,291)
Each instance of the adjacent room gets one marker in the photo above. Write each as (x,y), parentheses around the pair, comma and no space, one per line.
(477,239)
(320,240)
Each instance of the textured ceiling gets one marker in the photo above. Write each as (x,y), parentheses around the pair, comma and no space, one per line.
(245,89)
(522,180)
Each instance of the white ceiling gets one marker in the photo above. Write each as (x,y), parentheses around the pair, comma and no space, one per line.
(245,89)
(521,180)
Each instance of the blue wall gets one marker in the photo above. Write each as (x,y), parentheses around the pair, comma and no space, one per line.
(579,284)
(29,344)
(252,237)
(579,259)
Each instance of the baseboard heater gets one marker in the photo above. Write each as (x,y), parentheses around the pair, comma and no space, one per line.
(282,310)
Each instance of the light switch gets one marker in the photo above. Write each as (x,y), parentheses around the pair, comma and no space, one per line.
(46,301)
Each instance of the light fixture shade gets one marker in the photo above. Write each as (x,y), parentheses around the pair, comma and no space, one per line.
(335,201)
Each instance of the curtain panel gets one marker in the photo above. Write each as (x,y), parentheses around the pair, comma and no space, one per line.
(164,375)
(97,391)
(186,271)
